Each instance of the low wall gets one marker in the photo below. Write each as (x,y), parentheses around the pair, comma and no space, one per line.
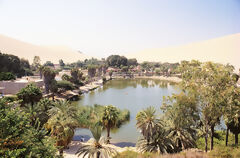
(12,87)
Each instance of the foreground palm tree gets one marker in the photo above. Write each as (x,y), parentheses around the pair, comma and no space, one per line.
(97,149)
(62,123)
(147,122)
(158,143)
(109,119)
(183,137)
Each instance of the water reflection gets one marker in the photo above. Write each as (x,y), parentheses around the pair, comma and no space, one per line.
(144,83)
(131,94)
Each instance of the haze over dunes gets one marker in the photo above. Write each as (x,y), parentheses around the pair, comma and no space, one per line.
(223,50)
(47,53)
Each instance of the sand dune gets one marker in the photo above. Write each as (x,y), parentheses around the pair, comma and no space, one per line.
(223,50)
(47,53)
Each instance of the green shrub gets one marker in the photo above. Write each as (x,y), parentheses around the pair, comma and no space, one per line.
(219,141)
(10,99)
(30,94)
(66,85)
(104,80)
(6,76)
(222,152)
(19,139)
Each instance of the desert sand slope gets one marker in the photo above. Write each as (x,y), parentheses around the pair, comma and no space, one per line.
(28,51)
(223,50)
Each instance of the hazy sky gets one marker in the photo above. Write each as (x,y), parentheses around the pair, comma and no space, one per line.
(103,27)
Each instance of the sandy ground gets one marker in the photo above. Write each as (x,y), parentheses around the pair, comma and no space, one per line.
(75,145)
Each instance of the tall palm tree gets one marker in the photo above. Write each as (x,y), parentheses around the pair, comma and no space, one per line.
(109,119)
(147,122)
(97,149)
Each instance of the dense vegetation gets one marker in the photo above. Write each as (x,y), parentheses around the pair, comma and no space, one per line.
(14,65)
(38,127)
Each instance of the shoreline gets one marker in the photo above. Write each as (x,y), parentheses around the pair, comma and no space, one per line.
(163,78)
(74,146)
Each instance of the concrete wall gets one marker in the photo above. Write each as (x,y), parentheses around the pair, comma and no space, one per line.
(12,87)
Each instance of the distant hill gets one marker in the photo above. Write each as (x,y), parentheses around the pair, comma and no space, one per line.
(223,50)
(47,53)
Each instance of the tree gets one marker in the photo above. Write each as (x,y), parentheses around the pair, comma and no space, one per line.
(40,69)
(24,64)
(53,87)
(48,63)
(36,62)
(99,71)
(49,76)
(132,62)
(207,82)
(110,74)
(182,117)
(97,148)
(232,111)
(61,63)
(91,70)
(117,61)
(6,76)
(159,142)
(11,63)
(104,69)
(62,123)
(109,119)
(125,68)
(147,122)
(30,94)
(19,139)
(157,71)
(76,76)
(65,85)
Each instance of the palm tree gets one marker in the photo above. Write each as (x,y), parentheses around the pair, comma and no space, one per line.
(182,138)
(97,148)
(49,75)
(109,119)
(62,123)
(181,117)
(63,107)
(40,69)
(147,122)
(62,129)
(159,142)
(182,134)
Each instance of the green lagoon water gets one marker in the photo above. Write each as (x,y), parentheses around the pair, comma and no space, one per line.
(131,94)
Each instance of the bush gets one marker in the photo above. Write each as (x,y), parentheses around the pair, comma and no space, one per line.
(104,80)
(66,85)
(19,139)
(6,76)
(30,94)
(10,99)
(225,152)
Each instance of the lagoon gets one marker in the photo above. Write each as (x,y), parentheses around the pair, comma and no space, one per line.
(131,94)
